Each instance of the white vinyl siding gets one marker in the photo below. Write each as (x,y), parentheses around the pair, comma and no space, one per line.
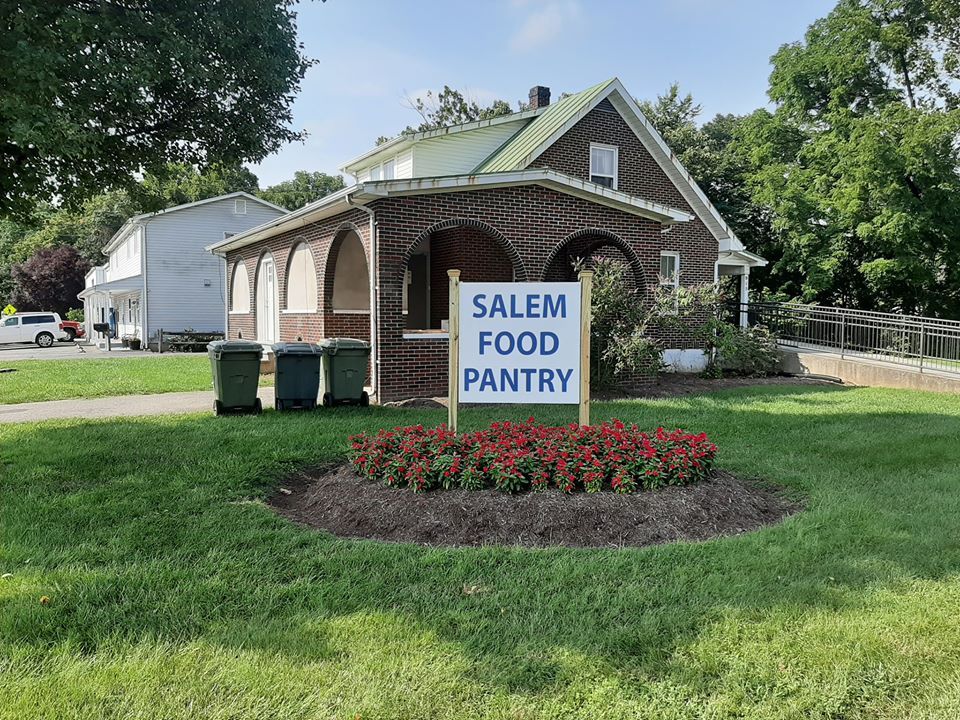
(301,281)
(461,153)
(405,165)
(185,282)
(124,260)
(240,289)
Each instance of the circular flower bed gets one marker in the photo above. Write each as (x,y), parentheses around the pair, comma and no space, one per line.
(529,456)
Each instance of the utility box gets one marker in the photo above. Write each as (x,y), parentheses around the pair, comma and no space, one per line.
(297,376)
(236,376)
(344,371)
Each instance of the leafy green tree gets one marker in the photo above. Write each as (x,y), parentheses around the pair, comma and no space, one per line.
(450,107)
(305,187)
(859,163)
(95,91)
(180,183)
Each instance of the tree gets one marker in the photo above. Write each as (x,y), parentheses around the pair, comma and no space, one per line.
(50,280)
(451,107)
(180,183)
(859,164)
(304,188)
(95,91)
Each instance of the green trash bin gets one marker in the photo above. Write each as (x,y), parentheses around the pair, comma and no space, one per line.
(297,378)
(344,371)
(236,375)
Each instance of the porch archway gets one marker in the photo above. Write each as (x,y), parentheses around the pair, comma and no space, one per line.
(586,246)
(481,253)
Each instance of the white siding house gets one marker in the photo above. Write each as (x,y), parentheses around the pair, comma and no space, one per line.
(158,274)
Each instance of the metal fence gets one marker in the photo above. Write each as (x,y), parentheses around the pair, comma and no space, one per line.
(919,342)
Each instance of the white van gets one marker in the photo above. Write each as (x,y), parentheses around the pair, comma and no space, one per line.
(42,328)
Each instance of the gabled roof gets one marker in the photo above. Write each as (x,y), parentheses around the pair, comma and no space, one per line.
(146,217)
(522,149)
(528,144)
(367,192)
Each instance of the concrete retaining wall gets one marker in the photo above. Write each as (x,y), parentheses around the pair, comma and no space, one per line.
(856,371)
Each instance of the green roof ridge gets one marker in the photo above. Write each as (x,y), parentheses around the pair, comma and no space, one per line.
(511,155)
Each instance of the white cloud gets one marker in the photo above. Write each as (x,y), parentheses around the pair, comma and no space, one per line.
(546,20)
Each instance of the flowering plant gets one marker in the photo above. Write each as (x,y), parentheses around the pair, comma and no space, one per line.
(529,456)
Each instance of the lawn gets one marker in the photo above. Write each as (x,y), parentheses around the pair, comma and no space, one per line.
(174,592)
(36,380)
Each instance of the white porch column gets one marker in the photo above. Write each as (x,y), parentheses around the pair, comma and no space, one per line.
(744,297)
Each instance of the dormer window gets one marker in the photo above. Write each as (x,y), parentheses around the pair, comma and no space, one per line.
(385,171)
(603,165)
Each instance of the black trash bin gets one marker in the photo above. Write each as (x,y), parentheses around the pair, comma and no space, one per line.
(297,376)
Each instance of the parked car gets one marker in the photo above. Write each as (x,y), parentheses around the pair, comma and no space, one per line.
(72,329)
(42,328)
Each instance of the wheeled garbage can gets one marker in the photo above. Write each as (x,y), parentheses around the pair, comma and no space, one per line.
(297,378)
(344,371)
(236,375)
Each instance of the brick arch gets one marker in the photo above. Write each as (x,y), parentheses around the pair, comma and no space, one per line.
(333,252)
(295,244)
(585,242)
(518,266)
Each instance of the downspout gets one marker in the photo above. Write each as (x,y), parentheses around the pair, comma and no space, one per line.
(374,287)
(144,319)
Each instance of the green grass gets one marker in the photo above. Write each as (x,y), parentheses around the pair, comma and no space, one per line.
(175,593)
(36,380)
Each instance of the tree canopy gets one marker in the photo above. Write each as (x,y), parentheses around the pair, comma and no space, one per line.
(305,187)
(95,91)
(448,107)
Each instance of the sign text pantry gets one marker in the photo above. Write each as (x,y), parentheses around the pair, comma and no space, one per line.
(519,343)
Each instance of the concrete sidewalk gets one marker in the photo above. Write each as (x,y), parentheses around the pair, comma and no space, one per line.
(121,406)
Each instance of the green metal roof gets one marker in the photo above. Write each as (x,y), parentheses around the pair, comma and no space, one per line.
(514,154)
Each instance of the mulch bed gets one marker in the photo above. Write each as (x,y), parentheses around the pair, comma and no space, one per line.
(338,501)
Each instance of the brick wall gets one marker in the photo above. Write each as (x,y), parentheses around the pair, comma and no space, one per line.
(529,232)
(320,237)
(529,222)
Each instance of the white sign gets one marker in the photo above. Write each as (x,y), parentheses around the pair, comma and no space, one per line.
(519,343)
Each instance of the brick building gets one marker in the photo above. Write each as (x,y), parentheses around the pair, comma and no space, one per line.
(519,198)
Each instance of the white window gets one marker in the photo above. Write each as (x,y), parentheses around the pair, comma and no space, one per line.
(387,170)
(670,270)
(239,207)
(603,165)
(240,289)
(301,281)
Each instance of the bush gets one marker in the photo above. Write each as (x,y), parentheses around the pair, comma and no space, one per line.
(529,456)
(750,351)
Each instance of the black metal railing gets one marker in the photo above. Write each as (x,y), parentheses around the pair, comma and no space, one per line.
(920,342)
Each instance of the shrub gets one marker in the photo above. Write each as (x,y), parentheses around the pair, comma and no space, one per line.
(750,351)
(528,456)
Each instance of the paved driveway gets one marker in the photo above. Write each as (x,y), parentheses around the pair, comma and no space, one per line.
(65,351)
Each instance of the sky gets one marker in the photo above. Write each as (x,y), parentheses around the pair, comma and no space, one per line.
(372,55)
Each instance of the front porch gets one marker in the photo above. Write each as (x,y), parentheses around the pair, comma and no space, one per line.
(118,304)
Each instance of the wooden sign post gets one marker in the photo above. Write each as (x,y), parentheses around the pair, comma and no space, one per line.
(453,330)
(586,290)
